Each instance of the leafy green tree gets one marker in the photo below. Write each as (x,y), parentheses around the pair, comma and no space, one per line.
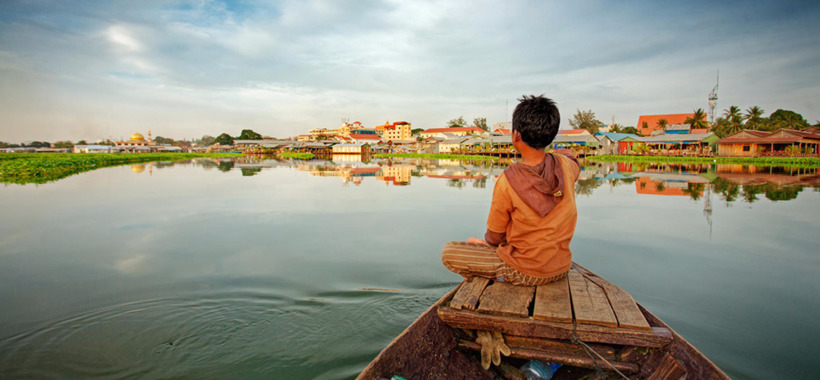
(631,130)
(698,119)
(64,144)
(662,123)
(787,119)
(585,120)
(38,144)
(206,140)
(4,144)
(163,140)
(416,131)
(481,122)
(248,134)
(753,117)
(457,123)
(81,142)
(224,139)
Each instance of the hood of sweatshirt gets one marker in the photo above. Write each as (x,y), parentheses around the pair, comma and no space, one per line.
(541,186)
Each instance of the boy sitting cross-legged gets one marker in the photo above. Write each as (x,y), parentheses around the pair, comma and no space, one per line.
(532,215)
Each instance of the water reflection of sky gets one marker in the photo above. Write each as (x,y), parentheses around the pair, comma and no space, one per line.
(289,245)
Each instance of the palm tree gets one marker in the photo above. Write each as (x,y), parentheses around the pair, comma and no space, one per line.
(662,123)
(698,119)
(734,118)
(752,117)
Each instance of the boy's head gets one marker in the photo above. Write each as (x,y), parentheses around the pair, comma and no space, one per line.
(536,119)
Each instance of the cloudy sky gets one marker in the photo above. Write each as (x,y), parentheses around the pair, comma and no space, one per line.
(182,69)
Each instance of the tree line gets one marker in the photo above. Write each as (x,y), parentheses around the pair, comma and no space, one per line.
(206,140)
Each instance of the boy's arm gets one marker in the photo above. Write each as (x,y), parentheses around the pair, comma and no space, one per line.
(500,213)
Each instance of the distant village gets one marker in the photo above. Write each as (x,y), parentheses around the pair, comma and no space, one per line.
(659,135)
(670,134)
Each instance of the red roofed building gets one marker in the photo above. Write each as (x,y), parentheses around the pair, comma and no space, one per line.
(750,143)
(461,131)
(364,138)
(573,132)
(503,131)
(398,131)
(649,123)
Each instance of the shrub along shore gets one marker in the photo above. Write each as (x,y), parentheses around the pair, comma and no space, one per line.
(22,168)
(811,162)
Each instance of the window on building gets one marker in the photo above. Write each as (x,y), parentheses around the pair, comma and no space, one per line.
(747,148)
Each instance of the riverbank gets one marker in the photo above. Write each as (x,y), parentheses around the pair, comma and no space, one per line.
(23,168)
(810,162)
(437,156)
(299,155)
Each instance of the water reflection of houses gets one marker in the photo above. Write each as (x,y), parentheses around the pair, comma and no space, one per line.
(669,183)
(398,174)
(758,175)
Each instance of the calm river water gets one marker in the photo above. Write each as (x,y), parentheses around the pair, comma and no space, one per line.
(285,269)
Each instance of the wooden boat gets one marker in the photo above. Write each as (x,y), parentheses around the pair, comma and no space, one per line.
(592,327)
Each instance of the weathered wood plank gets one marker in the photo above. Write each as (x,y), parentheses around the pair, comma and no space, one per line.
(589,302)
(552,302)
(582,361)
(561,346)
(668,369)
(468,293)
(655,337)
(623,305)
(504,299)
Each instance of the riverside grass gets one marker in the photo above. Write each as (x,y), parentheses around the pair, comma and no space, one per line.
(23,168)
(805,162)
(437,156)
(298,155)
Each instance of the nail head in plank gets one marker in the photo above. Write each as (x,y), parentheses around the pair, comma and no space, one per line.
(589,302)
(468,293)
(552,302)
(504,299)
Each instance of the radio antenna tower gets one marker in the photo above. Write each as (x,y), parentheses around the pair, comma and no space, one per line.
(713,97)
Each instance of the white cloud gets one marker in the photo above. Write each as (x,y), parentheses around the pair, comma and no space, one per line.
(188,69)
(120,37)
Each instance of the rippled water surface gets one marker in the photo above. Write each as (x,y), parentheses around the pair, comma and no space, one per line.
(283,269)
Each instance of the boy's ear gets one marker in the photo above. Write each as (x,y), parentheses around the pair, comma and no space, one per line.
(516,136)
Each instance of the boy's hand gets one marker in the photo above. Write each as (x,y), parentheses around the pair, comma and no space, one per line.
(477,241)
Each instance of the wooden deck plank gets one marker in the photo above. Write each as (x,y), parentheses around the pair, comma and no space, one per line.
(589,302)
(623,305)
(468,293)
(552,302)
(527,327)
(504,299)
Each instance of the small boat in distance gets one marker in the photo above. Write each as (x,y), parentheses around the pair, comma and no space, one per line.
(583,322)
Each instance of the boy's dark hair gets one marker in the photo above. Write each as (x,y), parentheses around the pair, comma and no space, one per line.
(536,118)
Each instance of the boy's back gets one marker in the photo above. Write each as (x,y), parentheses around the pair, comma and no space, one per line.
(533,214)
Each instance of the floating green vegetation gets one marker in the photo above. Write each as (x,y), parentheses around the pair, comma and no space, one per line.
(23,168)
(299,155)
(437,156)
(808,162)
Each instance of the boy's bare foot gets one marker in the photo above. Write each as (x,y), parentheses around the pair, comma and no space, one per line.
(477,241)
